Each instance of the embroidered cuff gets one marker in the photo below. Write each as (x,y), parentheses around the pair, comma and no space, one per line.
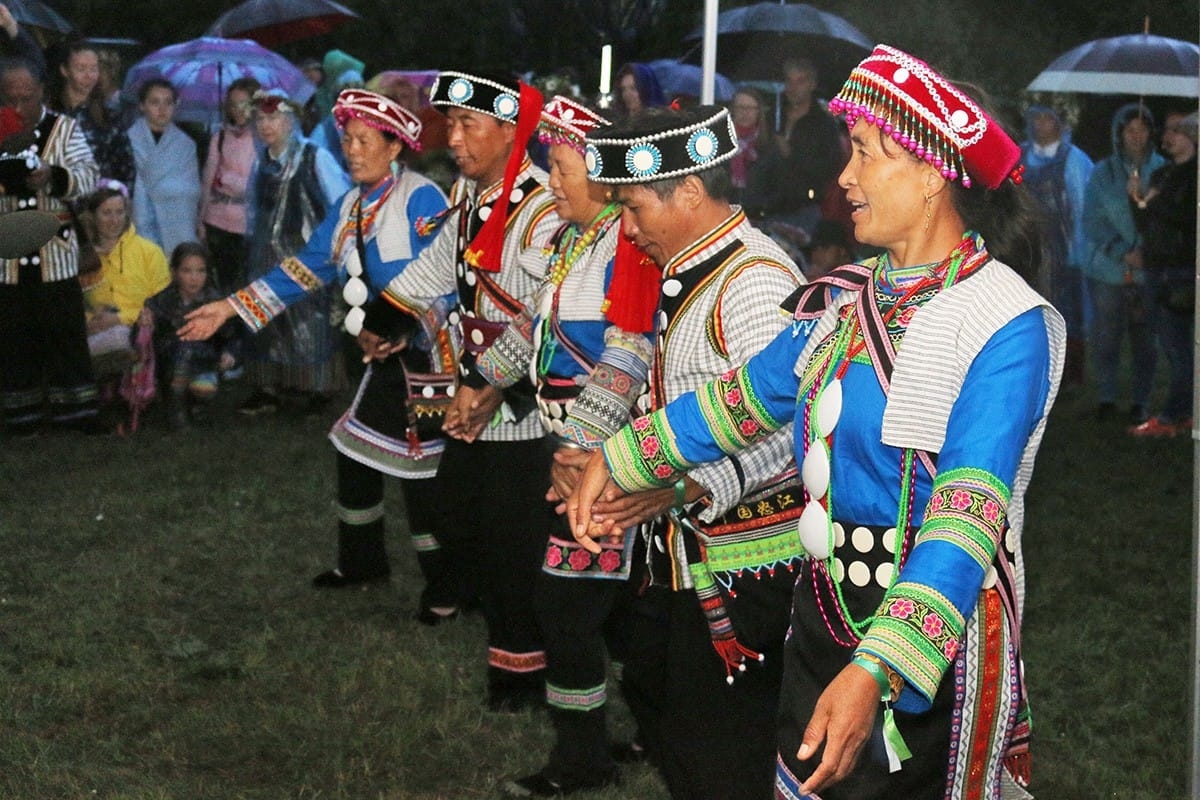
(508,358)
(256,304)
(917,632)
(642,455)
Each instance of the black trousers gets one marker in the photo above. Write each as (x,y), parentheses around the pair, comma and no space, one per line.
(711,740)
(496,524)
(43,352)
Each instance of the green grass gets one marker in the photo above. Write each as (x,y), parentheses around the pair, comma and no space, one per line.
(159,640)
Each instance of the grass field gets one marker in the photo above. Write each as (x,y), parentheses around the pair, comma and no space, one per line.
(158,637)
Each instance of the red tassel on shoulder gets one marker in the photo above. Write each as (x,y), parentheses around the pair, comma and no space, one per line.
(487,246)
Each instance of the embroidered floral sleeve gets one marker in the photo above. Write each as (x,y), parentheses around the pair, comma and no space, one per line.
(917,629)
(617,381)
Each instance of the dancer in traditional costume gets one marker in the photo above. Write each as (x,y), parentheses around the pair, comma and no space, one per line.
(716,565)
(489,254)
(372,238)
(586,338)
(919,383)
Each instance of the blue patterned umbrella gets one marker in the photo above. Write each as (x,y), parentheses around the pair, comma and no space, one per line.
(203,68)
(1140,63)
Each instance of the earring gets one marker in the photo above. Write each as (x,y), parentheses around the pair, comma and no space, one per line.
(928,212)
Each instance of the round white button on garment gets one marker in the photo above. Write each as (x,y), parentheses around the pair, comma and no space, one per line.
(672,287)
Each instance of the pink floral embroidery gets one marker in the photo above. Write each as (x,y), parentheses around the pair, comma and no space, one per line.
(650,447)
(641,423)
(950,648)
(733,397)
(960,500)
(553,556)
(936,502)
(728,376)
(663,471)
(905,316)
(580,559)
(991,511)
(748,427)
(609,561)
(902,608)
(933,625)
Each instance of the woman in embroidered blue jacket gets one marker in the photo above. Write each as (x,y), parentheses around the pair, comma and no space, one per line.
(372,238)
(936,439)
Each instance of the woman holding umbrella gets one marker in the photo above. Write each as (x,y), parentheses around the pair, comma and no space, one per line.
(902,672)
(371,238)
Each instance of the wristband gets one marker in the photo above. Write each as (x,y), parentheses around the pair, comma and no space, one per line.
(893,743)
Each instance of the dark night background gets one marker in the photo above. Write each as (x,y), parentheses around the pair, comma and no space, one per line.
(998,44)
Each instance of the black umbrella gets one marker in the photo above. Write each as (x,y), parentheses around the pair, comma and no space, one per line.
(754,41)
(1139,63)
(275,22)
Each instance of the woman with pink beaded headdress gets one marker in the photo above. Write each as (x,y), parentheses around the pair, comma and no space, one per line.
(919,382)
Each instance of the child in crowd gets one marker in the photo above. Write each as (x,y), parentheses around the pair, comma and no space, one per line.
(187,371)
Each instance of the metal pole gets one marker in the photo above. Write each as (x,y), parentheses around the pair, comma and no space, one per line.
(708,59)
(1194,776)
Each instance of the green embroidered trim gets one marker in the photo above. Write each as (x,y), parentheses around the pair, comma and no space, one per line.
(576,699)
(360,516)
(736,416)
(917,631)
(754,554)
(425,543)
(643,455)
(968,508)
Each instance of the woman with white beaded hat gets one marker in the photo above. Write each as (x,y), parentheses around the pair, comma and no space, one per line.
(902,675)
(371,239)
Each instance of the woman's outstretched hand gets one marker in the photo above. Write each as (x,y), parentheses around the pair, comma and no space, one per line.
(205,321)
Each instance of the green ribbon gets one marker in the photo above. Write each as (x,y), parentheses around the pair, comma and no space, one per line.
(893,742)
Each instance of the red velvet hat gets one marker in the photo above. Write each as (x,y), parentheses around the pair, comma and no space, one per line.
(928,116)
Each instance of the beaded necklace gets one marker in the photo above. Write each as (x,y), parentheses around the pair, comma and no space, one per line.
(563,256)
(825,392)
(362,215)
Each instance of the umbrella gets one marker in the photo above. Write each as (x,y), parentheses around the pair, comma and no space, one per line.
(201,69)
(754,41)
(275,22)
(677,78)
(45,22)
(1140,63)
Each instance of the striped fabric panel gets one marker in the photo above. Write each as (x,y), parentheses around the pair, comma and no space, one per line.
(508,661)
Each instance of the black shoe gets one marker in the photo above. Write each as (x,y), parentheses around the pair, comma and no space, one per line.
(538,785)
(427,616)
(259,403)
(628,753)
(1105,412)
(336,579)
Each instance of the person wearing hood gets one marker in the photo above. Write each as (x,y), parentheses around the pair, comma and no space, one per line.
(637,90)
(1112,264)
(334,65)
(1165,215)
(1057,172)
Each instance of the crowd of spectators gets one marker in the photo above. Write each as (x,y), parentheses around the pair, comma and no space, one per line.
(161,186)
